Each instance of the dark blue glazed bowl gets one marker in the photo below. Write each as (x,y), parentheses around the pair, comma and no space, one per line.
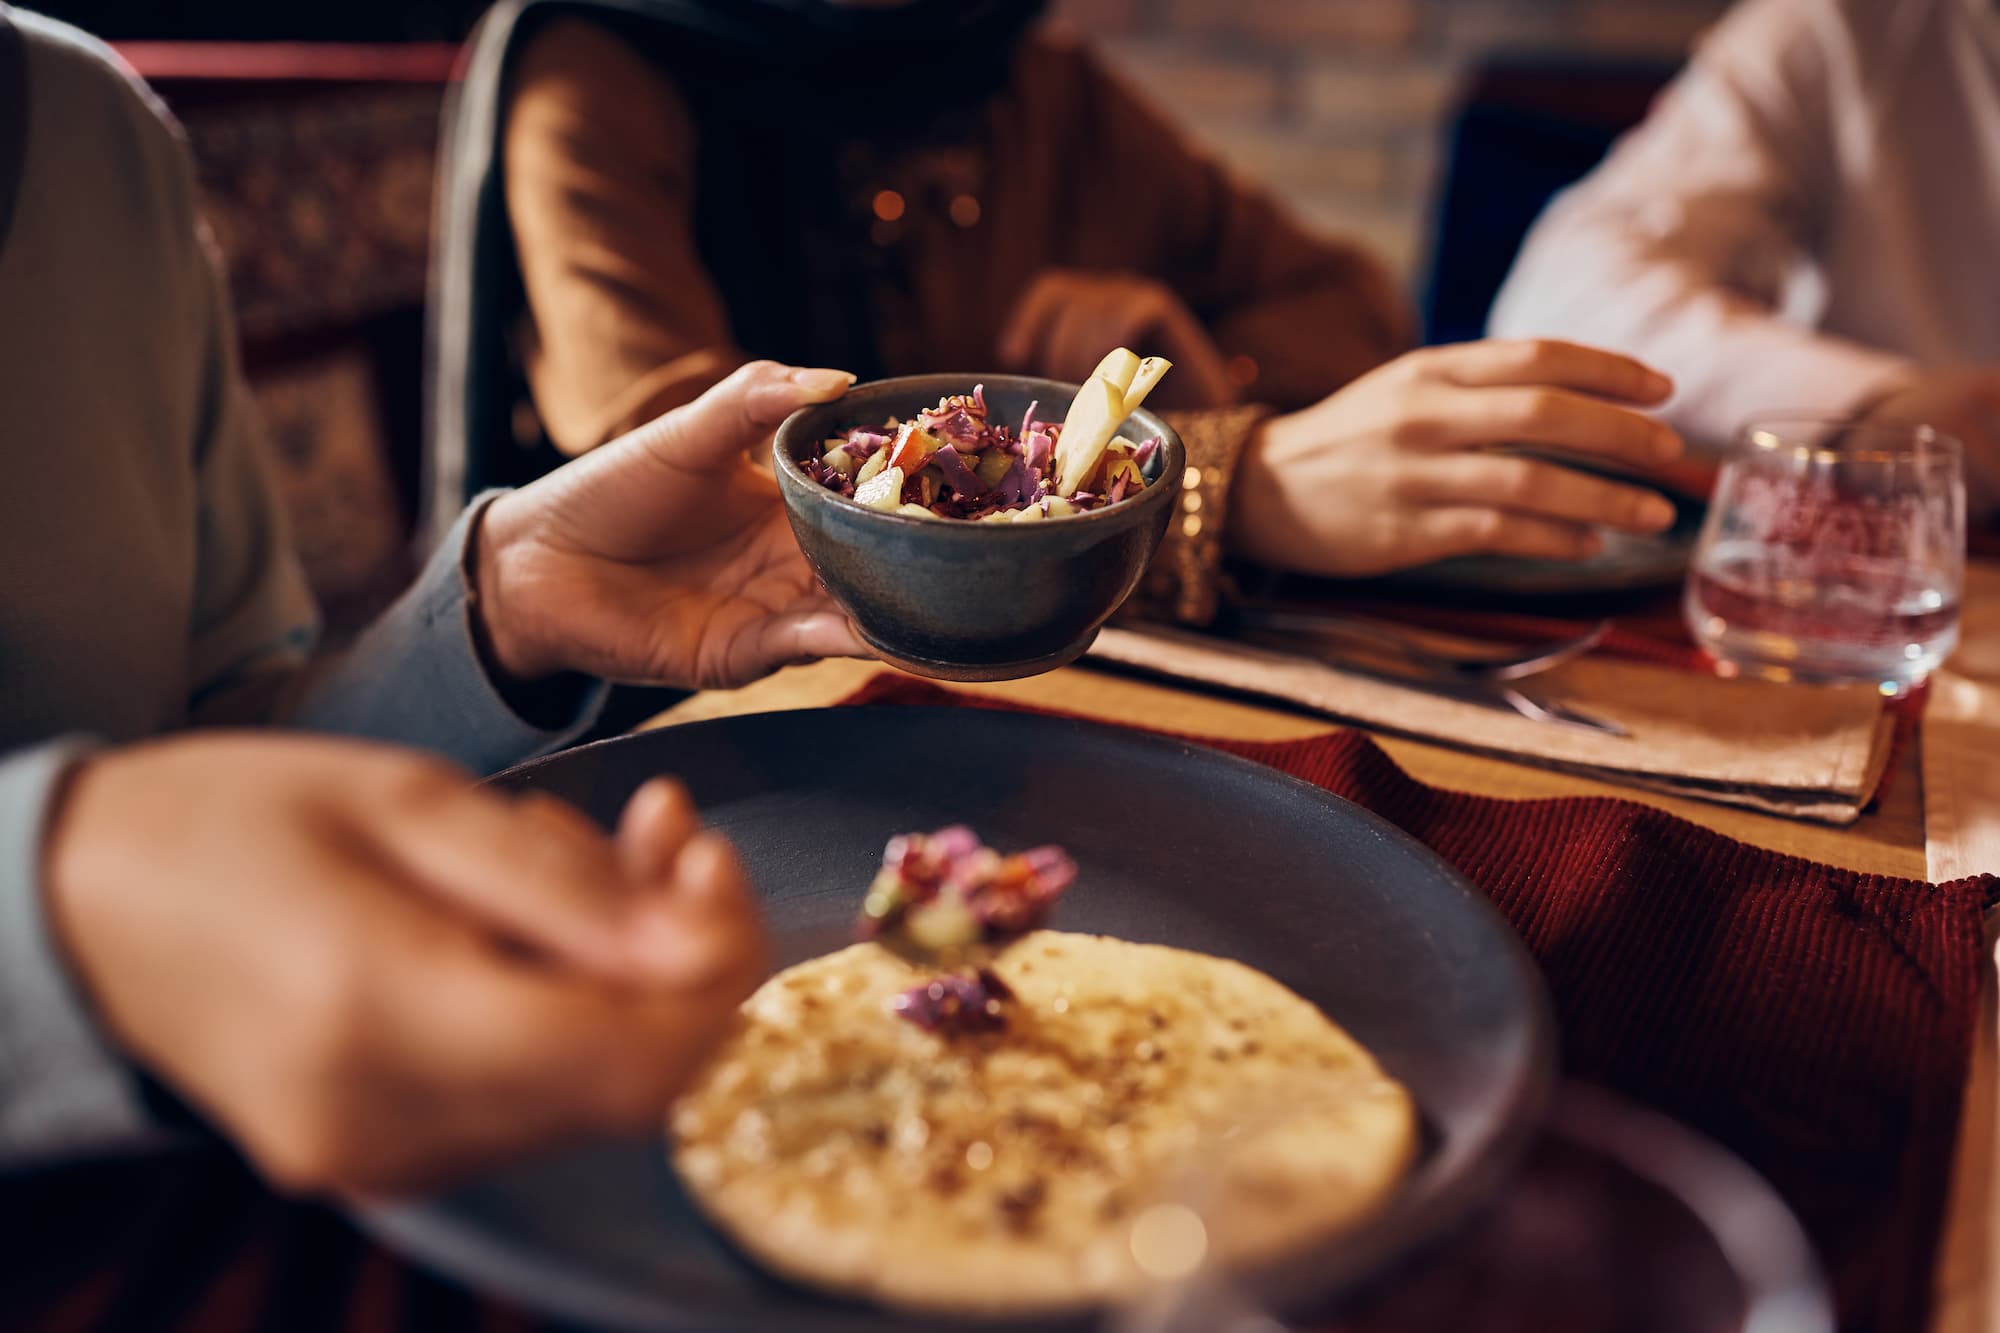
(973,601)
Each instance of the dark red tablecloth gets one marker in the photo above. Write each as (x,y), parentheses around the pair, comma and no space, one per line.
(1817,1021)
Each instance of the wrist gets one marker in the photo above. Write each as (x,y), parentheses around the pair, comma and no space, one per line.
(492,559)
(1256,501)
(537,683)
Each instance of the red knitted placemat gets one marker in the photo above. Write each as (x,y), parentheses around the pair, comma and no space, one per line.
(1817,1021)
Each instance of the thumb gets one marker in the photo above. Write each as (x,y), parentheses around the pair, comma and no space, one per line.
(718,428)
(789,638)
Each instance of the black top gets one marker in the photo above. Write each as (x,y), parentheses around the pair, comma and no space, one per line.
(794,79)
(13,119)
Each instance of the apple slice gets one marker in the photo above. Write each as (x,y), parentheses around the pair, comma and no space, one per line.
(1119,365)
(1143,379)
(1093,419)
(913,448)
(1100,408)
(884,490)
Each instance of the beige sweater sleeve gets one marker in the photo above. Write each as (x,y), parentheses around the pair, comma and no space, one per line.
(1300,313)
(624,322)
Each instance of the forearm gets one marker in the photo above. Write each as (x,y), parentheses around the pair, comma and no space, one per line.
(63,1090)
(675,383)
(625,322)
(1310,335)
(1299,313)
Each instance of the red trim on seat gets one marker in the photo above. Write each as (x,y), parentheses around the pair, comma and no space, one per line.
(314,62)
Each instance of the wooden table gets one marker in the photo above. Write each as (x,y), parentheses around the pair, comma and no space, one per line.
(1888,841)
(1892,840)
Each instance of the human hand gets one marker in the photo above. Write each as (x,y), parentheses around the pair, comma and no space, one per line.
(1964,404)
(375,976)
(1068,319)
(664,557)
(1400,467)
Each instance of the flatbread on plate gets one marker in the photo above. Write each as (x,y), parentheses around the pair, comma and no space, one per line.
(1003,1173)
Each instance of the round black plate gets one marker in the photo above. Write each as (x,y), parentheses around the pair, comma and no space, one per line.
(1626,564)
(1176,844)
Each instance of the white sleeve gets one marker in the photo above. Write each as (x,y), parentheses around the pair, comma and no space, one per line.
(1679,249)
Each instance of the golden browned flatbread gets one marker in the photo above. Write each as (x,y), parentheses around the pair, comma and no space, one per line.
(1024,1170)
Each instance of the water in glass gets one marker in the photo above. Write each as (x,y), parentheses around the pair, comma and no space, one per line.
(1833,551)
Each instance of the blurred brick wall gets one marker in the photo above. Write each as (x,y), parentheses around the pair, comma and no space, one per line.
(1340,105)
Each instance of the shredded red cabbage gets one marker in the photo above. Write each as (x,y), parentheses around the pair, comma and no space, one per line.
(946,893)
(963,480)
(990,898)
(953,482)
(1020,486)
(956,1004)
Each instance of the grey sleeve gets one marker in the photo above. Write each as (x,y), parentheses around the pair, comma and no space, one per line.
(415,676)
(63,1090)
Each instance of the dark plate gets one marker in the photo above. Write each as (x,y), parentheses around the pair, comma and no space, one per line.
(1627,563)
(1176,844)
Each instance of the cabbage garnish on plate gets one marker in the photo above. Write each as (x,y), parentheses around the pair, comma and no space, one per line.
(947,899)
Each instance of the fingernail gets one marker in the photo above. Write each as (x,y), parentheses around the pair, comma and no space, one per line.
(1655,513)
(823,381)
(1667,444)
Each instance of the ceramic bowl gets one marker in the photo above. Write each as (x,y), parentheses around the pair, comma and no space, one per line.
(961,600)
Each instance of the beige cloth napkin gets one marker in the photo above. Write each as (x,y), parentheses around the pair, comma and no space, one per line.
(1809,752)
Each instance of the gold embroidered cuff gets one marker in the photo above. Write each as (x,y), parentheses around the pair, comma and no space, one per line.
(1184,582)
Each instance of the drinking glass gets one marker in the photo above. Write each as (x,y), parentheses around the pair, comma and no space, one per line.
(1834,551)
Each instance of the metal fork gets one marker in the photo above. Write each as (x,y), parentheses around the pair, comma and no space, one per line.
(1559,713)
(1476,678)
(1500,666)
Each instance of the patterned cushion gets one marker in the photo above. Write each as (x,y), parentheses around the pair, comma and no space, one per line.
(319,197)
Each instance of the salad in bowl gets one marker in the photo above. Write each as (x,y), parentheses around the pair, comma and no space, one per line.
(956,461)
(983,527)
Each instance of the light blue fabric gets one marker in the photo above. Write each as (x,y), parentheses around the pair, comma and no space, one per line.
(62,1089)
